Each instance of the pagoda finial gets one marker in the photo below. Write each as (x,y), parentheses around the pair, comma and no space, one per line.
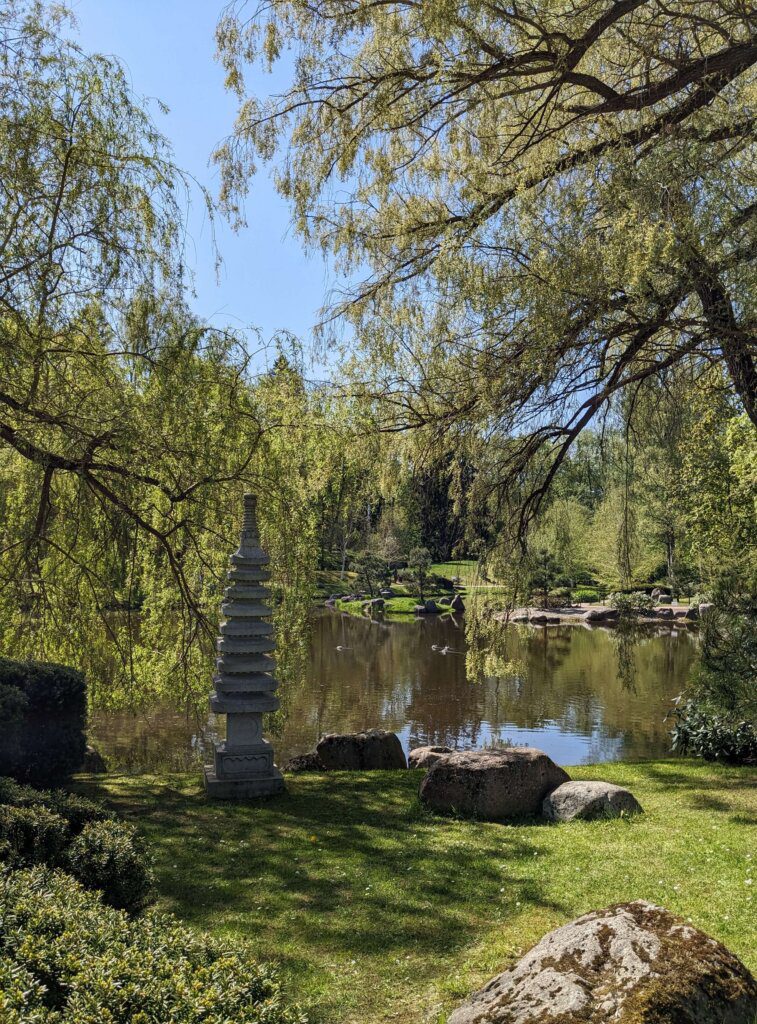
(245,686)
(250,522)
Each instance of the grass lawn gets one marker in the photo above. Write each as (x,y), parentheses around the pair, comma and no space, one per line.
(377,911)
(467,571)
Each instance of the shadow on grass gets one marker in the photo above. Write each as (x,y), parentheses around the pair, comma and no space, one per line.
(346,863)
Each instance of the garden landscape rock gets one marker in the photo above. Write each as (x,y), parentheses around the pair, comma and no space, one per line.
(374,750)
(492,785)
(600,615)
(589,800)
(94,762)
(633,963)
(309,762)
(425,757)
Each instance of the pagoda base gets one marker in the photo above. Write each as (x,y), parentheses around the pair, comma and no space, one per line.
(243,789)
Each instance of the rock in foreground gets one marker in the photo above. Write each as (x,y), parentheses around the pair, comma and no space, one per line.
(375,750)
(634,963)
(493,785)
(309,762)
(589,800)
(424,757)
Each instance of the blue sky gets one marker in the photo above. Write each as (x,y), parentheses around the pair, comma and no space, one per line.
(167,46)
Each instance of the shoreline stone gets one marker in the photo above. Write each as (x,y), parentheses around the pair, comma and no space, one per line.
(373,750)
(589,800)
(425,757)
(491,785)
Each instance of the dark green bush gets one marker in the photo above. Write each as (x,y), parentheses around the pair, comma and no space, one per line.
(47,687)
(110,856)
(66,957)
(42,720)
(699,730)
(32,835)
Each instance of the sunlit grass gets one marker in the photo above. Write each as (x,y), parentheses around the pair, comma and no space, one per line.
(377,911)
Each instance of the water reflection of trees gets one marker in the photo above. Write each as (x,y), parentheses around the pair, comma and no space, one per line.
(565,678)
(564,687)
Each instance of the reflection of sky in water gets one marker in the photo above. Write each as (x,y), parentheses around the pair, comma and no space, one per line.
(571,697)
(563,747)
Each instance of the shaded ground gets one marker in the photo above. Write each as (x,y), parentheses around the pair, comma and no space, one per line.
(376,911)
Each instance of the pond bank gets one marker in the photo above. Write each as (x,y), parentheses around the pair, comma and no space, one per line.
(599,615)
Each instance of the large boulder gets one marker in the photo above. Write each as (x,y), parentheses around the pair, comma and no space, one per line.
(589,800)
(424,757)
(493,785)
(457,604)
(664,613)
(633,963)
(374,750)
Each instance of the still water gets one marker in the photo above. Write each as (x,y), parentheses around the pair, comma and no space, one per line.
(581,695)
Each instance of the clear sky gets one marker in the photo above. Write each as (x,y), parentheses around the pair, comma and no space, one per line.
(167,47)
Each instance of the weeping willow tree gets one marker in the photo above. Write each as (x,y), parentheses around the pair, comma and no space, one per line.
(128,430)
(551,202)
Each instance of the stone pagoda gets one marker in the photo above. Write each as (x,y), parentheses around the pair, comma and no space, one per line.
(243,765)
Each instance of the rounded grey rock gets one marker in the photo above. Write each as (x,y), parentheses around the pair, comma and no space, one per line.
(589,800)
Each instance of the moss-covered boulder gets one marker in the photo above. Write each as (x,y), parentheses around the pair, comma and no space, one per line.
(633,963)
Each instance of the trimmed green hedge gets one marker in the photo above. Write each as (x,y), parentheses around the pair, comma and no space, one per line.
(46,686)
(64,957)
(77,810)
(42,720)
(63,830)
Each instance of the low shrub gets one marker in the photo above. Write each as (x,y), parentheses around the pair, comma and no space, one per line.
(42,720)
(32,835)
(631,604)
(76,810)
(585,596)
(110,856)
(701,731)
(64,956)
(61,829)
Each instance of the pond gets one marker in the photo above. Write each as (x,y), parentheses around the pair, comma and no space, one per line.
(582,695)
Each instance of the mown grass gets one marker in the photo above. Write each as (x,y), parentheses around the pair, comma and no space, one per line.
(377,911)
(466,570)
